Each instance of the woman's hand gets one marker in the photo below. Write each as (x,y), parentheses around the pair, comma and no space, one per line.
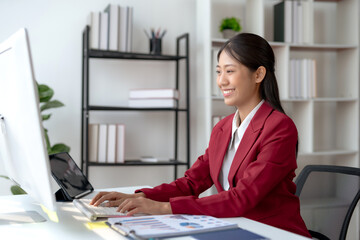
(114,198)
(144,205)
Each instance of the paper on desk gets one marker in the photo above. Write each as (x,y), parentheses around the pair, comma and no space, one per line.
(168,225)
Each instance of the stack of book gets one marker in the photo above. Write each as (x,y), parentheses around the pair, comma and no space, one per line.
(106,143)
(153,98)
(302,78)
(293,21)
(111,29)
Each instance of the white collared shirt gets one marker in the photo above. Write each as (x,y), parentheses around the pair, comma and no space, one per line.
(237,133)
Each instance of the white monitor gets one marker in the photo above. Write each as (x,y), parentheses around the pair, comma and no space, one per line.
(22,145)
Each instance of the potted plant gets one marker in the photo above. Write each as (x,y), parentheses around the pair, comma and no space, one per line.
(230,26)
(45,95)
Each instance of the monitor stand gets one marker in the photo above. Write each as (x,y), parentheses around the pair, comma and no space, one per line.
(20,218)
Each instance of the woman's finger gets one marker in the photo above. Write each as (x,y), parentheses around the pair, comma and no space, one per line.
(106,197)
(133,211)
(97,197)
(114,203)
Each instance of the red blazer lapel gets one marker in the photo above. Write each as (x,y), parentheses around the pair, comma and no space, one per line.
(221,144)
(249,138)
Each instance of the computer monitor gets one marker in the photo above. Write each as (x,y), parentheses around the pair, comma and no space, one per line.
(22,144)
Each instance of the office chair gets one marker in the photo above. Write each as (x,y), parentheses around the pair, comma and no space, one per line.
(328,196)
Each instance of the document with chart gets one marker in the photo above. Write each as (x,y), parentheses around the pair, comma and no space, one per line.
(167,225)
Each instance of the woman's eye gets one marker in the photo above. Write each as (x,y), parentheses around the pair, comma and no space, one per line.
(229,71)
(217,72)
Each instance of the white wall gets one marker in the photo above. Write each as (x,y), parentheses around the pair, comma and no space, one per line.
(55,30)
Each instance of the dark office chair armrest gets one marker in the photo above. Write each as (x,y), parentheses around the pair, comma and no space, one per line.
(318,235)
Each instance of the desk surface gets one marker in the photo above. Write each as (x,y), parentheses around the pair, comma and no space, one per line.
(73,225)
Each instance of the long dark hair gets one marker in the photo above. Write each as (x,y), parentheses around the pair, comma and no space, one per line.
(253,51)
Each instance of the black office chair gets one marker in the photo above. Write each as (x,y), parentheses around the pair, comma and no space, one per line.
(328,196)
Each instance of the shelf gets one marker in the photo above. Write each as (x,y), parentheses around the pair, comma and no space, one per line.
(218,42)
(320,99)
(328,153)
(140,163)
(94,53)
(109,108)
(86,107)
(321,47)
(220,98)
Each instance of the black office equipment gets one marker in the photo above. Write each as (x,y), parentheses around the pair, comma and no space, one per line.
(70,178)
(330,193)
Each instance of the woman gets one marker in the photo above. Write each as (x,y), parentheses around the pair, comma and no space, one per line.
(251,157)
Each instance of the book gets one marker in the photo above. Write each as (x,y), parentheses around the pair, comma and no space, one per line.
(111,143)
(113,21)
(94,23)
(283,21)
(215,90)
(154,93)
(102,149)
(120,143)
(153,103)
(304,79)
(156,226)
(93,142)
(314,78)
(148,159)
(292,91)
(254,24)
(308,22)
(129,29)
(123,29)
(104,43)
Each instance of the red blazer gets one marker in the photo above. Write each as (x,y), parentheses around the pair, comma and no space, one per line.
(260,177)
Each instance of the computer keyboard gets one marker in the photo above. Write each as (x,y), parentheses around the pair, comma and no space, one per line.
(93,212)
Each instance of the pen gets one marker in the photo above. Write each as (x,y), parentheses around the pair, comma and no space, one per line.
(146,33)
(158,33)
(152,33)
(162,35)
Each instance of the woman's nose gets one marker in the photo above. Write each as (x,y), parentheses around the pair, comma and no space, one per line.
(221,79)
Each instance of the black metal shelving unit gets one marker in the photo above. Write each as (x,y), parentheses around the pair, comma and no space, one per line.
(87,54)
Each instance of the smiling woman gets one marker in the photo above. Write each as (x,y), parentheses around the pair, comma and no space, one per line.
(251,157)
(252,54)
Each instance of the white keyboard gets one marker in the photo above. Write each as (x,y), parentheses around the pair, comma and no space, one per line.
(93,212)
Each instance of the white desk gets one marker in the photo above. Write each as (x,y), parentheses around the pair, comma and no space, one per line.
(73,225)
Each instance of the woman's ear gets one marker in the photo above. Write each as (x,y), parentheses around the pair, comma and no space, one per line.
(260,74)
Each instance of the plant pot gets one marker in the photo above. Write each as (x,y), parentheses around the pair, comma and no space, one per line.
(228,33)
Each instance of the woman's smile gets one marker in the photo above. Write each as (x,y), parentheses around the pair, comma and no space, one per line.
(227,92)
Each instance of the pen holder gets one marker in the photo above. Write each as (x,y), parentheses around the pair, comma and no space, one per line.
(155,46)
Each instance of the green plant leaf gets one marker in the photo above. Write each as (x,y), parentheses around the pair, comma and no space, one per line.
(59,147)
(47,140)
(16,190)
(4,177)
(45,116)
(230,23)
(45,93)
(51,104)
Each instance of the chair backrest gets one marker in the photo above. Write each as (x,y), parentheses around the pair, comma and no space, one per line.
(328,196)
